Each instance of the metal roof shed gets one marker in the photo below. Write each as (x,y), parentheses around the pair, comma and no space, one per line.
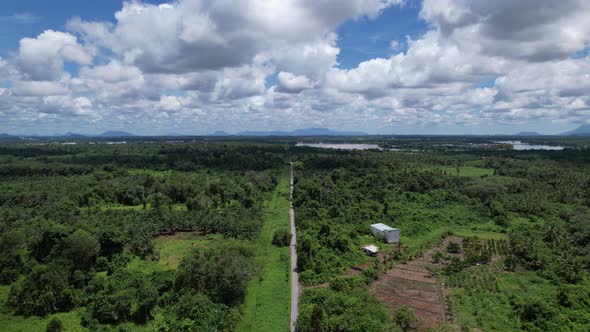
(388,234)
(371,250)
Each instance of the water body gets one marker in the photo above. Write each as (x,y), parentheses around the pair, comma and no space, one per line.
(518,145)
(341,146)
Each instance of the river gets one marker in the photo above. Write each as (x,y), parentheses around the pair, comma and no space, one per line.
(518,145)
(341,146)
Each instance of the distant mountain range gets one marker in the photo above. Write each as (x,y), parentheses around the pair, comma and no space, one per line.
(7,136)
(528,133)
(303,132)
(219,133)
(583,130)
(109,133)
(112,133)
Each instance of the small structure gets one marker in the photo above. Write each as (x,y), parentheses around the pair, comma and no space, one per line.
(386,233)
(371,250)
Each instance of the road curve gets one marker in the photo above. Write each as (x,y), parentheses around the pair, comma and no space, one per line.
(294,275)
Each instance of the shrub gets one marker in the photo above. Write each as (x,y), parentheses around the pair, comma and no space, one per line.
(437,257)
(54,325)
(281,238)
(124,296)
(404,317)
(222,273)
(371,273)
(453,248)
(456,265)
(43,291)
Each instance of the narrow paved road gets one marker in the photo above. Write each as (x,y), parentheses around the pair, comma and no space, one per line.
(294,275)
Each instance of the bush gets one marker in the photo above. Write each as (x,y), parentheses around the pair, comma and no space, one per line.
(323,309)
(371,273)
(404,317)
(456,265)
(346,284)
(124,296)
(81,248)
(453,248)
(196,312)
(281,238)
(222,272)
(437,257)
(54,325)
(45,290)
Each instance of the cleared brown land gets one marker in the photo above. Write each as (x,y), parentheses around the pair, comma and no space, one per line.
(417,290)
(412,284)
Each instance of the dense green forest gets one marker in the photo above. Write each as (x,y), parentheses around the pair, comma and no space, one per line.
(523,218)
(78,228)
(187,236)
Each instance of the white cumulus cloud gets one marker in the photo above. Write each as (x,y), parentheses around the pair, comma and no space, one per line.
(289,82)
(42,58)
(207,65)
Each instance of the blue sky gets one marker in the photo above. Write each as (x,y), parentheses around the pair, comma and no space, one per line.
(366,39)
(359,40)
(29,18)
(380,66)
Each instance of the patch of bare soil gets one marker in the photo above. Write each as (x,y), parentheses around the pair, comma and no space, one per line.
(356,270)
(414,285)
(415,289)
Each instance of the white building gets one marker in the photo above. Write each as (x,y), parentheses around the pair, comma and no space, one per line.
(371,250)
(388,234)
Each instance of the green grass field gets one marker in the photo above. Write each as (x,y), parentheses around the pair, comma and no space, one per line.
(172,248)
(487,231)
(492,311)
(418,244)
(478,307)
(267,302)
(486,311)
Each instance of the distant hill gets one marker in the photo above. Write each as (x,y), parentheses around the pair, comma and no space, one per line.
(583,130)
(325,132)
(74,135)
(219,133)
(7,136)
(264,133)
(528,133)
(303,132)
(111,133)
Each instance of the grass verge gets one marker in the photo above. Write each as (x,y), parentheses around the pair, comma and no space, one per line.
(267,302)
